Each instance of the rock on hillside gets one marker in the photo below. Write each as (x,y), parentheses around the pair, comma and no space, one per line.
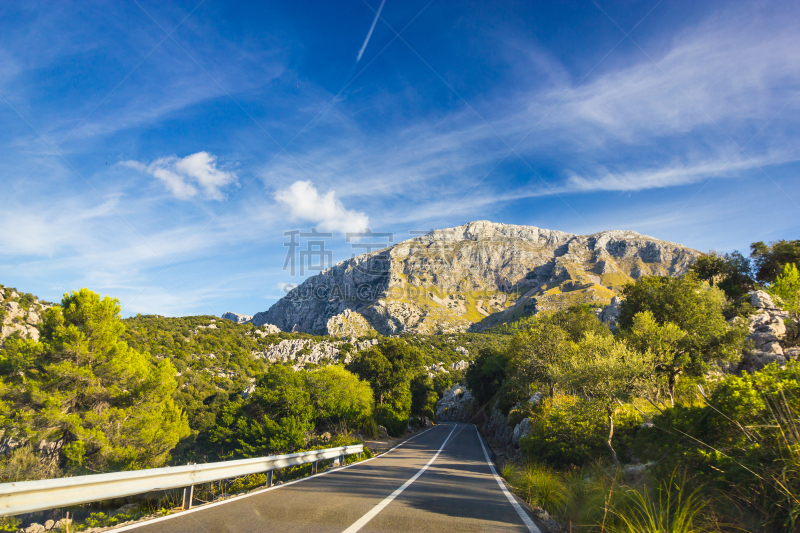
(471,277)
(20,314)
(301,351)
(455,406)
(236,317)
(767,331)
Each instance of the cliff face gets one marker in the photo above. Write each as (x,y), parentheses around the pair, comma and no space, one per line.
(471,277)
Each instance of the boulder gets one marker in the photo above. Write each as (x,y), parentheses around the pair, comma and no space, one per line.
(768,328)
(382,433)
(792,353)
(522,430)
(62,524)
(610,313)
(455,405)
(761,300)
(460,365)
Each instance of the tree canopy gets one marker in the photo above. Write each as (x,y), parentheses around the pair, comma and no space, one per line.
(694,307)
(90,399)
(770,259)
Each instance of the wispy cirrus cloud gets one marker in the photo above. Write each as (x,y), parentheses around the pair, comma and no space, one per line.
(714,102)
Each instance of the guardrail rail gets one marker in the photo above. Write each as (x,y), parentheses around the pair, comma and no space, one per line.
(30,496)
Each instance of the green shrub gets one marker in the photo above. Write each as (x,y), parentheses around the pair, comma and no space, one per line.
(571,431)
(745,442)
(368,427)
(10,524)
(22,464)
(395,423)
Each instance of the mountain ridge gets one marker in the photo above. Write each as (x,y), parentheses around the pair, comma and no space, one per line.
(471,277)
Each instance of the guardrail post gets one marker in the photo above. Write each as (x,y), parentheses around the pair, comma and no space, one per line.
(314,467)
(269,478)
(359,455)
(188,493)
(341,460)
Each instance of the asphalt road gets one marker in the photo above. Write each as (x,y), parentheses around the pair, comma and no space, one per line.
(439,480)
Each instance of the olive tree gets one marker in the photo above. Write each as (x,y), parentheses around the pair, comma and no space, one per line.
(605,370)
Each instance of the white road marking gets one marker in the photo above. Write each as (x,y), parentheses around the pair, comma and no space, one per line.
(522,514)
(257,492)
(361,522)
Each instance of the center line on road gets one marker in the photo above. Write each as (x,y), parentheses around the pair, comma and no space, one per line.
(361,522)
(522,514)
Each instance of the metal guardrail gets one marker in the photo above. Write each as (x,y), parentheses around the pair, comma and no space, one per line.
(30,496)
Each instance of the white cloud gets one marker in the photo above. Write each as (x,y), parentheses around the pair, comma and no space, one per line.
(184,176)
(328,212)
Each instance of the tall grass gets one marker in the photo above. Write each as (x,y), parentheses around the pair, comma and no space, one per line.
(671,509)
(591,499)
(538,484)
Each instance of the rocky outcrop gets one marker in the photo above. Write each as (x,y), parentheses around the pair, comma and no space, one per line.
(442,367)
(767,329)
(236,317)
(455,406)
(471,277)
(521,430)
(609,315)
(267,329)
(348,323)
(460,365)
(302,352)
(20,314)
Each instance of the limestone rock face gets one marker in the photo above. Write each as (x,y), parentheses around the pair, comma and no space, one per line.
(302,351)
(767,329)
(471,277)
(761,300)
(521,430)
(455,405)
(348,324)
(18,317)
(236,317)
(497,428)
(610,313)
(267,329)
(460,365)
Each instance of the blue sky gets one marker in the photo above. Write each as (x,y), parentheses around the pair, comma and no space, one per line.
(158,152)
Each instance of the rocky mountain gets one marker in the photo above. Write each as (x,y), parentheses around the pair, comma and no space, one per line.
(471,277)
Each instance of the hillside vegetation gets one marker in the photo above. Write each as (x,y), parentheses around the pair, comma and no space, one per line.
(660,425)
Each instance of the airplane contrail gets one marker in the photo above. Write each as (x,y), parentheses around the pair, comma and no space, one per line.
(364,46)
